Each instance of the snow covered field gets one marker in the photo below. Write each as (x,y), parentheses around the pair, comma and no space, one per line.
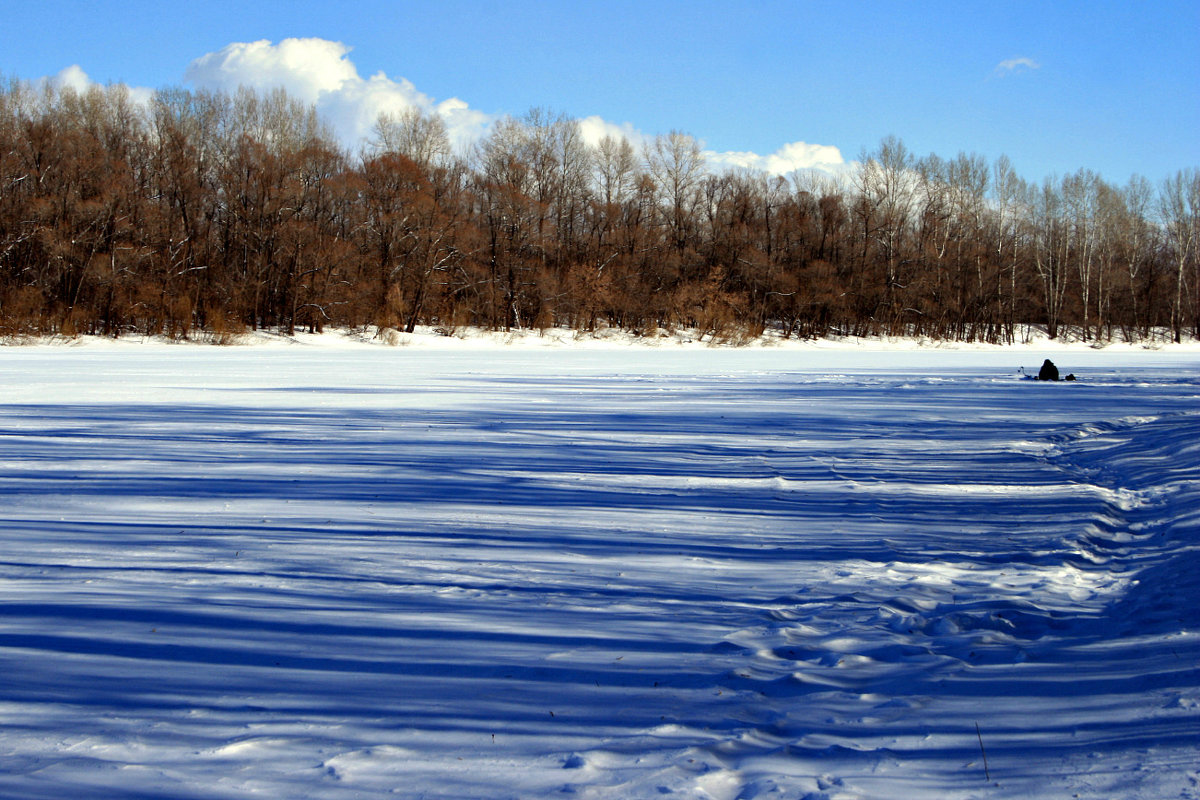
(335,571)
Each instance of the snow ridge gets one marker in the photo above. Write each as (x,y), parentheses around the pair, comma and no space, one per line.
(386,573)
(1004,627)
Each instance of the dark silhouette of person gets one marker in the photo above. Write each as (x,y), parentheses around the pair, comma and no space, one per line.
(1048,372)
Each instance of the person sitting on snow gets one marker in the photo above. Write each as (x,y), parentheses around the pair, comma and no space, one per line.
(1048,372)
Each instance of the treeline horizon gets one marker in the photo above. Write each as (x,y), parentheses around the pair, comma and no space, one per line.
(212,213)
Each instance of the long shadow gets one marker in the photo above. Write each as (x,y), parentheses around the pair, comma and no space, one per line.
(904,483)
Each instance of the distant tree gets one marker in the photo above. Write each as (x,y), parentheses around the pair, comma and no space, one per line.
(1179,210)
(1136,243)
(418,136)
(676,164)
(1008,196)
(614,173)
(210,211)
(1051,248)
(1080,192)
(885,184)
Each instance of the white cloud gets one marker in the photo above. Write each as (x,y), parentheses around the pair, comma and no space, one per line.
(789,158)
(593,129)
(306,68)
(72,77)
(320,72)
(1014,65)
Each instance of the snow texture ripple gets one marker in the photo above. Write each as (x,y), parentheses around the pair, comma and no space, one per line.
(307,573)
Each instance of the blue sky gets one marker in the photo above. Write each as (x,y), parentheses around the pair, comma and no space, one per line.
(1112,86)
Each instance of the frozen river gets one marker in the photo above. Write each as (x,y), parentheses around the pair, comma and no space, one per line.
(347,572)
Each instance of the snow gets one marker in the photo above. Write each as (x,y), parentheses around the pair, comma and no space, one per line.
(329,568)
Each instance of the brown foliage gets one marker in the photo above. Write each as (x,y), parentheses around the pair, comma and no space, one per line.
(207,214)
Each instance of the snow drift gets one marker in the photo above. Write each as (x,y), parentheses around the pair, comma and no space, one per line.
(305,572)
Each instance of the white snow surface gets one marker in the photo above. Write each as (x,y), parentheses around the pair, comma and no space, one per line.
(326,569)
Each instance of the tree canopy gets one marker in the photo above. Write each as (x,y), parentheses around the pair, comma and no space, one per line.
(215,213)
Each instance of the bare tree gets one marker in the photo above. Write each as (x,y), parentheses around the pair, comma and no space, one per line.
(214,211)
(1136,238)
(885,184)
(614,167)
(1079,193)
(1009,193)
(676,163)
(1179,211)
(1051,247)
(419,136)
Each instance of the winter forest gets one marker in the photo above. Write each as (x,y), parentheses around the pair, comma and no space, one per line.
(212,213)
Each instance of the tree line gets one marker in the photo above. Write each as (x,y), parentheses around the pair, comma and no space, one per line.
(209,213)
